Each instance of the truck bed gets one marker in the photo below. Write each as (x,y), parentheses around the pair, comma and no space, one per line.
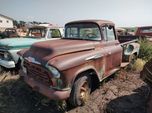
(127,39)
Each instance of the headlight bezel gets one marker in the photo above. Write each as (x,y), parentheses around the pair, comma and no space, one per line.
(7,55)
(54,71)
(56,77)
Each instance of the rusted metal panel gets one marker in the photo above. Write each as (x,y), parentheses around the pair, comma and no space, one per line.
(51,49)
(48,92)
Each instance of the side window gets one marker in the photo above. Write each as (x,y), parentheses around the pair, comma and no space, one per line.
(108,33)
(54,33)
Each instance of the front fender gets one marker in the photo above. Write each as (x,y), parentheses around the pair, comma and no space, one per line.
(71,65)
(132,48)
(71,74)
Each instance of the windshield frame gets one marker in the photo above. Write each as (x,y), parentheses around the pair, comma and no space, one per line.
(78,38)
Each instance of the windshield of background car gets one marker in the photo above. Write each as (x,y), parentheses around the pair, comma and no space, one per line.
(37,32)
(83,31)
(146,30)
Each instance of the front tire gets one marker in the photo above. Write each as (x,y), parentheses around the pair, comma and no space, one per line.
(81,91)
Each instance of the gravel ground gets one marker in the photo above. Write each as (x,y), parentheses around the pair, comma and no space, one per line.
(126,93)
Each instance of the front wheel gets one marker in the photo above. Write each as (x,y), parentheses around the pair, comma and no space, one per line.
(81,91)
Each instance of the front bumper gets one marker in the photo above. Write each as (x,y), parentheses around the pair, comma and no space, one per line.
(44,90)
(7,64)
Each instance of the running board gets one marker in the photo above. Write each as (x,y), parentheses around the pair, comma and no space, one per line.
(109,73)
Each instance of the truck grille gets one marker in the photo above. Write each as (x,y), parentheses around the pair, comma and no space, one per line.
(37,72)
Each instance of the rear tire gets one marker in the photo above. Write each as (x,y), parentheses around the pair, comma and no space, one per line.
(80,91)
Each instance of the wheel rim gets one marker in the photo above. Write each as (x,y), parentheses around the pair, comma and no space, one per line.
(84,92)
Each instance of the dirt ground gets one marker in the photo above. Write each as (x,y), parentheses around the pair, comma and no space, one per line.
(124,93)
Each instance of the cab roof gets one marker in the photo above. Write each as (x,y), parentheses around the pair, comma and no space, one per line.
(99,22)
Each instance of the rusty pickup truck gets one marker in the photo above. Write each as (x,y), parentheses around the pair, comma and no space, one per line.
(71,67)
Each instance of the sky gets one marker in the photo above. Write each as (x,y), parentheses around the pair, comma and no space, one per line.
(124,13)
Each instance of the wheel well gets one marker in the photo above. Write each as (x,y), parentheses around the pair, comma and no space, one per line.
(94,78)
(135,54)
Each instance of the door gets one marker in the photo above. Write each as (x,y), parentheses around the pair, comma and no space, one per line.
(113,49)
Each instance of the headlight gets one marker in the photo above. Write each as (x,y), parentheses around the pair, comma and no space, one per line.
(54,71)
(6,56)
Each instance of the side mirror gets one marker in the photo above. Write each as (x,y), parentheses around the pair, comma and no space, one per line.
(110,27)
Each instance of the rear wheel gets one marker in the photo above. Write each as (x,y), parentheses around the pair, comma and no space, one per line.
(81,91)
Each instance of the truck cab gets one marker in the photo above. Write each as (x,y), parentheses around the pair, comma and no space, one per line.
(9,33)
(71,67)
(10,46)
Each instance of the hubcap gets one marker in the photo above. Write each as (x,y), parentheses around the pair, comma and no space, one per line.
(84,92)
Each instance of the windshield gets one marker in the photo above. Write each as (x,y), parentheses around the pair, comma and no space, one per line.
(84,31)
(146,30)
(37,32)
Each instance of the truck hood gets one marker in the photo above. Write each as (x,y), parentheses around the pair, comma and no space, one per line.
(45,51)
(14,43)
